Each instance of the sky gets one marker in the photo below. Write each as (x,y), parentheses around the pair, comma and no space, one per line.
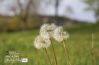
(77,6)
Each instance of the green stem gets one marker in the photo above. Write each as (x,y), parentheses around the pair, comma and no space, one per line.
(92,49)
(93,59)
(54,53)
(66,53)
(47,56)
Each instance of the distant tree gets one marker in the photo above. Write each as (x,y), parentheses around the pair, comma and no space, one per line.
(14,9)
(24,11)
(93,5)
(56,7)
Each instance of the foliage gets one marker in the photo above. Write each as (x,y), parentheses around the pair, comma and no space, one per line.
(14,23)
(93,5)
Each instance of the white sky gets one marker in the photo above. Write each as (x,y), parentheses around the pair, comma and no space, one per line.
(77,5)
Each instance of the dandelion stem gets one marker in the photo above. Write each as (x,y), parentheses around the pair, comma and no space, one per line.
(66,53)
(92,48)
(54,53)
(47,56)
(38,58)
(92,40)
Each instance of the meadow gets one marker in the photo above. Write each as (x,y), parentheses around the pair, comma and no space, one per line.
(79,45)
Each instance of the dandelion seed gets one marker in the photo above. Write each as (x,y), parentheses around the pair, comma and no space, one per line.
(44,34)
(39,42)
(46,30)
(52,27)
(59,35)
(44,26)
(66,35)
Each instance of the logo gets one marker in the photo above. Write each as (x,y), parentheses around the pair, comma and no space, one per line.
(13,57)
(24,60)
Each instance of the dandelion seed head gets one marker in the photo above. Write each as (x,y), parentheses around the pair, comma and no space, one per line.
(66,35)
(46,43)
(59,35)
(44,34)
(44,26)
(52,27)
(47,30)
(39,42)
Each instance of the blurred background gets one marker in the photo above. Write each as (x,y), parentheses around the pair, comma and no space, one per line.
(20,21)
(28,14)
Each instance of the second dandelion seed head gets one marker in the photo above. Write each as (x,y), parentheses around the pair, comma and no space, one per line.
(39,42)
(60,35)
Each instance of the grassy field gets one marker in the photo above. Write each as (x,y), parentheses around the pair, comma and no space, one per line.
(79,45)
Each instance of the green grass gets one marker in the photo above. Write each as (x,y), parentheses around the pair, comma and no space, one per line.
(79,45)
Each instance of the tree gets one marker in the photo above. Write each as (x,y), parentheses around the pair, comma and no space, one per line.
(56,7)
(24,11)
(93,5)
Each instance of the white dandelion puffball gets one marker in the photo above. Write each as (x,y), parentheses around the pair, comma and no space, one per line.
(39,42)
(59,35)
(46,30)
(44,26)
(43,31)
(66,35)
(52,27)
(44,34)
